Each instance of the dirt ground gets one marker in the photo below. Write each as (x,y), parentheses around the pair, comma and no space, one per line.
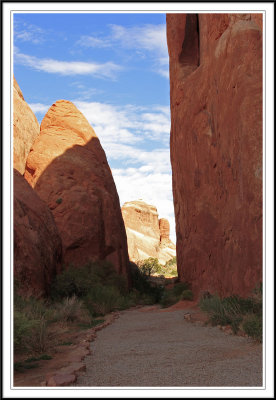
(153,347)
(150,346)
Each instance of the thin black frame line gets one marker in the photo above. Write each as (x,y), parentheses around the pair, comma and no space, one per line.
(264,204)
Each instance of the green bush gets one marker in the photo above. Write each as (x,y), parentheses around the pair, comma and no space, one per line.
(252,326)
(79,281)
(171,262)
(180,291)
(168,299)
(149,266)
(245,313)
(69,310)
(187,295)
(180,287)
(29,334)
(145,292)
(22,330)
(101,300)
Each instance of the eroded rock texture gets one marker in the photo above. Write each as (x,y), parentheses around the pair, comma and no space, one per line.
(146,235)
(25,129)
(216,149)
(68,169)
(37,244)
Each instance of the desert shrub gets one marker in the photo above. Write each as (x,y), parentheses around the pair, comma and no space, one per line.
(180,291)
(245,313)
(187,295)
(79,281)
(149,266)
(143,289)
(168,299)
(69,310)
(30,324)
(29,334)
(101,300)
(252,326)
(171,262)
(180,287)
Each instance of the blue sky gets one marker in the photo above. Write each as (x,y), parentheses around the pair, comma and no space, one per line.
(114,68)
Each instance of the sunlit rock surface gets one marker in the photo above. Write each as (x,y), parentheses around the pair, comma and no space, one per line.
(147,236)
(25,129)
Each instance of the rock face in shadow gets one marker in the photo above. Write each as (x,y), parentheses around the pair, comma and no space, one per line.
(37,245)
(25,129)
(216,149)
(146,235)
(68,169)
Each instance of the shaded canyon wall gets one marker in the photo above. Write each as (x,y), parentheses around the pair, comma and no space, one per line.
(216,149)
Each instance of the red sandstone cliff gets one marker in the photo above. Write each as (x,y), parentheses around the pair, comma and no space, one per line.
(216,149)
(25,129)
(37,245)
(146,235)
(68,169)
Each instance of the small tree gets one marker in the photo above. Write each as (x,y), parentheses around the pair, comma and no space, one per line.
(149,266)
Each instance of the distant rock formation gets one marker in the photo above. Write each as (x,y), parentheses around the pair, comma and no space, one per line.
(25,129)
(146,235)
(68,169)
(216,149)
(37,245)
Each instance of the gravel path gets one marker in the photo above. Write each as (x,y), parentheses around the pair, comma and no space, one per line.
(157,348)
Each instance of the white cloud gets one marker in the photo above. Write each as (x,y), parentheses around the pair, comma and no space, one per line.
(136,142)
(104,70)
(126,124)
(91,41)
(148,41)
(25,32)
(154,188)
(148,37)
(39,108)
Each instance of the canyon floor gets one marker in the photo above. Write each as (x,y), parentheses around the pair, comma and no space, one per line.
(150,346)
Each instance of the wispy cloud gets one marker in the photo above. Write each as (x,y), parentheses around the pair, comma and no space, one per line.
(51,66)
(148,37)
(146,40)
(127,124)
(25,32)
(39,108)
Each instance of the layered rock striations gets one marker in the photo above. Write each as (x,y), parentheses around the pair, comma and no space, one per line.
(216,149)
(68,169)
(147,236)
(25,129)
(37,244)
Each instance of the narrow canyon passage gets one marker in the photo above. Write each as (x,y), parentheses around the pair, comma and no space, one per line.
(154,347)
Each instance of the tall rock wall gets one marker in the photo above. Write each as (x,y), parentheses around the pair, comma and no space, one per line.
(68,169)
(147,236)
(216,149)
(25,129)
(37,244)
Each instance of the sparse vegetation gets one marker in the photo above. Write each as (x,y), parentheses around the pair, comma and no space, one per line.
(180,291)
(78,297)
(151,266)
(240,313)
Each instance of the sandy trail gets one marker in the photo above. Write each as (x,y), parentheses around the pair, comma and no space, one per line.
(156,348)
